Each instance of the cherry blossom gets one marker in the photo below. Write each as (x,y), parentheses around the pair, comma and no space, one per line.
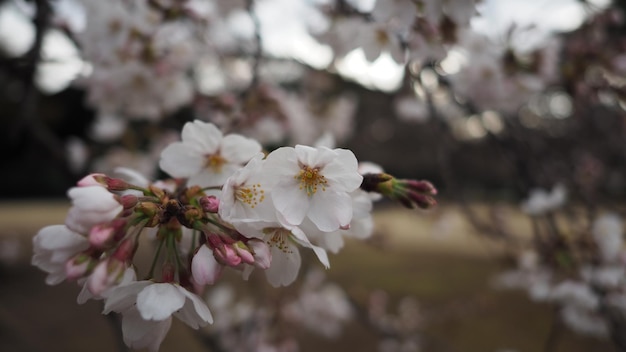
(313,183)
(53,246)
(206,156)
(147,309)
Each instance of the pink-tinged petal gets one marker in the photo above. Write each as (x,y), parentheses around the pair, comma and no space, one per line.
(302,240)
(139,333)
(159,301)
(179,160)
(330,210)
(238,149)
(204,268)
(90,180)
(203,136)
(196,314)
(262,253)
(285,265)
(291,202)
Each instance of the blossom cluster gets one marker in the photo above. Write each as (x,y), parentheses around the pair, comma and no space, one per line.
(228,205)
(583,274)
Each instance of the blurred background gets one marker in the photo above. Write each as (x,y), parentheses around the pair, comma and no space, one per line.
(514,109)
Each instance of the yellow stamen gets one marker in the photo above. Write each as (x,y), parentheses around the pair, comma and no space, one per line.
(215,162)
(251,196)
(311,180)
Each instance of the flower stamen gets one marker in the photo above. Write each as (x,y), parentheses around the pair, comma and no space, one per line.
(215,162)
(250,195)
(311,180)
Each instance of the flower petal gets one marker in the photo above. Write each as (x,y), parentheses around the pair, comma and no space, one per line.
(197,313)
(330,210)
(238,149)
(285,265)
(291,202)
(139,333)
(204,137)
(181,160)
(159,301)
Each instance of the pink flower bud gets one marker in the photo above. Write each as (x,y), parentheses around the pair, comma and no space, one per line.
(210,204)
(100,235)
(117,184)
(261,252)
(107,273)
(128,201)
(243,252)
(227,255)
(92,180)
(205,270)
(77,266)
(125,251)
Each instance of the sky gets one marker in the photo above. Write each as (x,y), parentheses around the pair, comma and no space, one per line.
(541,17)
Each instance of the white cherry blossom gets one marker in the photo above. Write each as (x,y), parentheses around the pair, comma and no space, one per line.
(147,309)
(91,205)
(313,183)
(206,156)
(53,246)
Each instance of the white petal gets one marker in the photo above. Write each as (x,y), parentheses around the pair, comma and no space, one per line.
(195,312)
(179,160)
(301,239)
(202,135)
(239,149)
(139,333)
(282,162)
(56,237)
(291,202)
(132,176)
(123,297)
(314,157)
(285,266)
(342,174)
(330,210)
(159,301)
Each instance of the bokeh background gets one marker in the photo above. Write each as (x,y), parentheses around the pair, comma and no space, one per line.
(537,101)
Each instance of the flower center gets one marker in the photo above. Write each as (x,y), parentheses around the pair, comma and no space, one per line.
(250,195)
(279,239)
(311,180)
(215,162)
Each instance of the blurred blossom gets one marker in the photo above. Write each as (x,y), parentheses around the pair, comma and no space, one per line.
(540,202)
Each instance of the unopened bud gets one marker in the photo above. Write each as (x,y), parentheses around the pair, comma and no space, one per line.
(78,266)
(92,180)
(262,253)
(99,235)
(191,193)
(168,272)
(372,182)
(128,201)
(126,250)
(423,201)
(243,252)
(210,204)
(422,186)
(148,209)
(117,184)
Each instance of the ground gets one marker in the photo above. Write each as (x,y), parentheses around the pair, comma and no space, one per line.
(432,256)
